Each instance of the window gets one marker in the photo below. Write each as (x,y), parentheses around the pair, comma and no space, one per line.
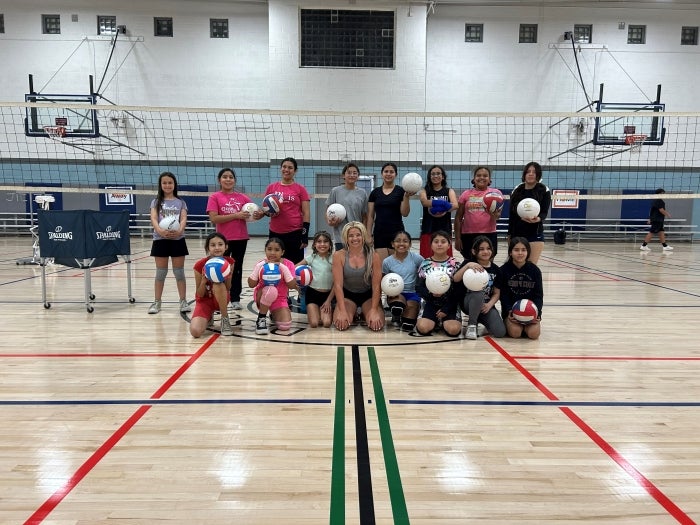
(347,38)
(218,28)
(528,34)
(163,26)
(583,34)
(474,32)
(106,25)
(636,34)
(689,36)
(2,23)
(51,24)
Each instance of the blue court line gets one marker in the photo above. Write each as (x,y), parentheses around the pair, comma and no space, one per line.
(548,403)
(166,402)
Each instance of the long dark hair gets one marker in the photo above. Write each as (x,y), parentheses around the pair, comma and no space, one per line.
(161,195)
(428,182)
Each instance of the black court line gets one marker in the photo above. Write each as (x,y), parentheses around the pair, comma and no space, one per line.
(164,402)
(364,472)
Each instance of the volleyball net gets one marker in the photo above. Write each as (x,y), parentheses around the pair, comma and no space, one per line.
(80,147)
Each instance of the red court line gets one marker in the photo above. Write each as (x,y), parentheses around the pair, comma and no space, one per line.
(647,485)
(52,502)
(160,354)
(601,358)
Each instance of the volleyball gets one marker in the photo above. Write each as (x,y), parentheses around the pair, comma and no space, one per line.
(493,201)
(270,274)
(171,222)
(438,281)
(217,269)
(336,211)
(528,208)
(412,182)
(304,275)
(524,311)
(475,281)
(251,208)
(271,204)
(392,284)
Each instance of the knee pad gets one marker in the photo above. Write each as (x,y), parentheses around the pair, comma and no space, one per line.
(283,325)
(179,274)
(161,274)
(268,295)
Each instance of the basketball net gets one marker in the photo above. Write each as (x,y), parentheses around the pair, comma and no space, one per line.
(635,142)
(55,132)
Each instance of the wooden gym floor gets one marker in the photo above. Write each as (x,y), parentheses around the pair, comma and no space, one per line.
(117,416)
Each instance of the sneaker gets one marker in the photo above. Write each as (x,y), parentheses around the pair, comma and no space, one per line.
(235,305)
(155,307)
(645,248)
(481,330)
(407,327)
(185,306)
(668,248)
(226,326)
(261,326)
(471,332)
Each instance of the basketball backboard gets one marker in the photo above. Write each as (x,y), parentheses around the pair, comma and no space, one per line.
(75,121)
(644,120)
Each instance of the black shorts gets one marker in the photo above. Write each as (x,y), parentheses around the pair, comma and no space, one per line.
(450,309)
(359,298)
(315,297)
(169,248)
(383,237)
(656,227)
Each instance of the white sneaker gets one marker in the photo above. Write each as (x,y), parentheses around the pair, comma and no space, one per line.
(668,248)
(471,332)
(645,248)
(481,330)
(226,326)
(155,307)
(261,326)
(185,306)
(235,305)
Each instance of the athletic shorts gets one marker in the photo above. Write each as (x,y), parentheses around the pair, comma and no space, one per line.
(384,237)
(451,312)
(205,307)
(280,302)
(411,296)
(656,227)
(169,248)
(358,298)
(316,297)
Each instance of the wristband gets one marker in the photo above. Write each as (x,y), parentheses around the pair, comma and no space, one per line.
(305,232)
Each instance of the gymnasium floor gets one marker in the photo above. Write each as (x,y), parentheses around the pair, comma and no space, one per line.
(120,417)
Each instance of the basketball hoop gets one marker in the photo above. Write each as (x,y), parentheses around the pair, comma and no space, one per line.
(55,132)
(635,142)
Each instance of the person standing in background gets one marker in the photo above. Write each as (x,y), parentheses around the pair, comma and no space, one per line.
(293,221)
(531,229)
(435,218)
(169,244)
(353,199)
(657,214)
(225,209)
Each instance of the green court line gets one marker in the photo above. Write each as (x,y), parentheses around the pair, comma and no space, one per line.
(337,514)
(398,500)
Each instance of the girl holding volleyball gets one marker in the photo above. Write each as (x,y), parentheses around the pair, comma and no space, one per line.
(169,243)
(211,296)
(521,279)
(319,294)
(226,211)
(473,218)
(271,280)
(441,308)
(388,205)
(436,215)
(405,306)
(530,228)
(480,305)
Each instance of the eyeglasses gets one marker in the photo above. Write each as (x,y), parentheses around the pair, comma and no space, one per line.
(436,174)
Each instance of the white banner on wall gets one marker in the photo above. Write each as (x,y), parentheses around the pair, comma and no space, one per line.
(565,199)
(119,196)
